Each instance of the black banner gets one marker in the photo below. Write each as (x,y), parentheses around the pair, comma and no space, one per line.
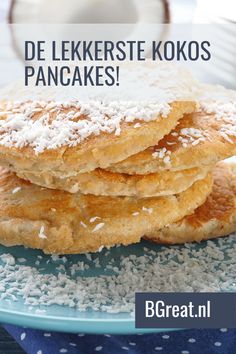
(185,310)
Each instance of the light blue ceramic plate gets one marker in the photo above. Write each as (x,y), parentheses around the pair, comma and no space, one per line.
(63,318)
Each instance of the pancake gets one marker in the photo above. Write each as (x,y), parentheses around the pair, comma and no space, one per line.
(87,142)
(44,131)
(60,222)
(215,218)
(200,139)
(102,182)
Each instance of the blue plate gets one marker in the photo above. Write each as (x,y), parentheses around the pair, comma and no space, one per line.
(66,319)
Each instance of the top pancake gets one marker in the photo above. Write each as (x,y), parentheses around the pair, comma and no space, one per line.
(78,135)
(200,139)
(97,150)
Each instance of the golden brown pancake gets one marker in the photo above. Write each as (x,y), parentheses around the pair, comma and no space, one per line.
(199,139)
(215,218)
(60,222)
(65,140)
(102,182)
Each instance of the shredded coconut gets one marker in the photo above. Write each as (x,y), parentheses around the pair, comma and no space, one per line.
(222,103)
(98,226)
(8,259)
(148,210)
(15,190)
(100,249)
(83,224)
(163,154)
(67,128)
(94,218)
(41,233)
(137,125)
(213,100)
(48,120)
(208,267)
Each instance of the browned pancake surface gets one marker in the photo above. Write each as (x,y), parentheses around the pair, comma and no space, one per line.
(216,217)
(60,222)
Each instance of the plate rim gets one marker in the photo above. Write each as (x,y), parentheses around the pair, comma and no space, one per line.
(76,325)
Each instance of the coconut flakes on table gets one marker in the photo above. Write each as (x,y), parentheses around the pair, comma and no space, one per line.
(208,268)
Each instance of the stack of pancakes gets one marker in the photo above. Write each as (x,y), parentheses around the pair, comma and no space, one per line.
(76,178)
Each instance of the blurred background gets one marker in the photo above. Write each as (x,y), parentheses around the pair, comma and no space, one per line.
(119,11)
(131,11)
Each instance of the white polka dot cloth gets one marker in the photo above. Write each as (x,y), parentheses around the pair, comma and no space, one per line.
(213,341)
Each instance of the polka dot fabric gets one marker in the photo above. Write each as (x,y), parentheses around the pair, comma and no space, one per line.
(213,341)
